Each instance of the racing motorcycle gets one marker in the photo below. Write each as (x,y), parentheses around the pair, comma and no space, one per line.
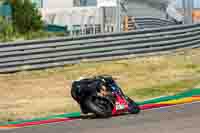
(85,92)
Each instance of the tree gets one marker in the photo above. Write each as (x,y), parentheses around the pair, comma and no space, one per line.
(6,29)
(26,17)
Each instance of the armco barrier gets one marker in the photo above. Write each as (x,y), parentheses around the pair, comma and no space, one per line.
(38,54)
(149,22)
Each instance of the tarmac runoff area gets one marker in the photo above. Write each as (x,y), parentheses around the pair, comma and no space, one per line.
(182,118)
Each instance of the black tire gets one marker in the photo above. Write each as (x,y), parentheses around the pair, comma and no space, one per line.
(100,106)
(74,90)
(83,108)
(133,107)
(73,93)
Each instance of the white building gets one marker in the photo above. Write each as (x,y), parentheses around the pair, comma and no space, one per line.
(82,12)
(54,3)
(68,12)
(150,8)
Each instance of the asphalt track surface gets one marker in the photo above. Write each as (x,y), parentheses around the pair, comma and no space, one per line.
(177,119)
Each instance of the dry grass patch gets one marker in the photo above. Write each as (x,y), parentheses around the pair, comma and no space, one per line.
(46,92)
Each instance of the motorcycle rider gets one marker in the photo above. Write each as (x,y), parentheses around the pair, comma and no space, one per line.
(89,92)
(86,87)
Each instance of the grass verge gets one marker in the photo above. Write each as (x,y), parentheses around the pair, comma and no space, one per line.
(163,90)
(41,93)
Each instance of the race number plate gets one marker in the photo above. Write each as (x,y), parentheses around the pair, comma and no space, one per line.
(120,107)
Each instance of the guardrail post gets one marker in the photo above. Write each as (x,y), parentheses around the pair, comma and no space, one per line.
(126,23)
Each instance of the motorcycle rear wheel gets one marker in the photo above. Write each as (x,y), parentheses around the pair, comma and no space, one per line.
(100,106)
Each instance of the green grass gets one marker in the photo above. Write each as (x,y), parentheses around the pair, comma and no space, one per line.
(165,89)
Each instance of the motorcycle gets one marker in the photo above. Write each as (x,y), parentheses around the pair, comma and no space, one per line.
(85,92)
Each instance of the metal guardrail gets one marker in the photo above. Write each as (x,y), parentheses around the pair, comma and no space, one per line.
(39,54)
(149,22)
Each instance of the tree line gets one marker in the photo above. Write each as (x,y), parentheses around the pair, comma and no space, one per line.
(25,18)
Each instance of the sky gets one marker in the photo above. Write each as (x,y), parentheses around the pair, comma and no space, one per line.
(196,3)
